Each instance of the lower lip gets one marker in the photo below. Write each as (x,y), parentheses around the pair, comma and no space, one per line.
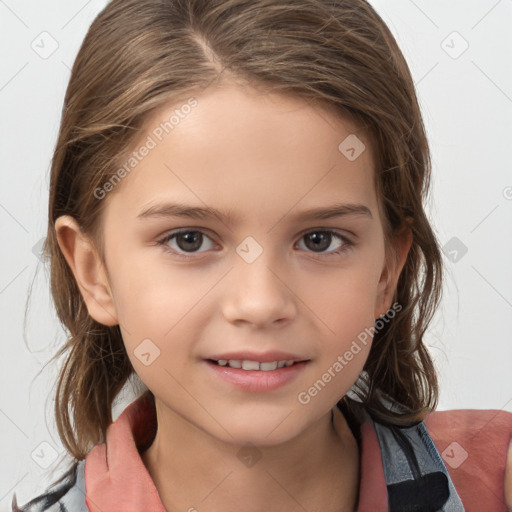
(257,381)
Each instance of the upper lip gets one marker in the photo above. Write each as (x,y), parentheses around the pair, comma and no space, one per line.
(265,357)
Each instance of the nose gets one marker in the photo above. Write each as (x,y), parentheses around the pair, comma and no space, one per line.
(258,294)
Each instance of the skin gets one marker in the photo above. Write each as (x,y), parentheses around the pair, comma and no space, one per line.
(508,477)
(266,157)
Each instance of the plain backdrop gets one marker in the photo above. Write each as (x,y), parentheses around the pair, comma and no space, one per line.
(459,53)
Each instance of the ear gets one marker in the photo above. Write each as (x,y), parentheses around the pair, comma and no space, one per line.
(88,269)
(508,477)
(396,257)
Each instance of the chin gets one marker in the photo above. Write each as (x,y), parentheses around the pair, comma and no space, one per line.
(262,433)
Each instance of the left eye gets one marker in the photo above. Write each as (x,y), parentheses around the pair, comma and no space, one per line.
(189,241)
(319,240)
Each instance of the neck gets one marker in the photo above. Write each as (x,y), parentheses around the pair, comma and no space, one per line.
(318,470)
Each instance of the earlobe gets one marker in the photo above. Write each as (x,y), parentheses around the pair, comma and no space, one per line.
(394,264)
(88,269)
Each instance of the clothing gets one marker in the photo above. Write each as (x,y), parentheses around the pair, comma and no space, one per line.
(401,468)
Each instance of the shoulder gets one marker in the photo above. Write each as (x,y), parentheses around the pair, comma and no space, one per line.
(65,495)
(474,446)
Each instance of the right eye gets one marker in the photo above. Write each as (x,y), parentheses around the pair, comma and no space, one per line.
(186,241)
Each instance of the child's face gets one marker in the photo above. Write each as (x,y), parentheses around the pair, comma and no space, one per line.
(266,159)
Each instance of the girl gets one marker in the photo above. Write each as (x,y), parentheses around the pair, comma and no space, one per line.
(236,218)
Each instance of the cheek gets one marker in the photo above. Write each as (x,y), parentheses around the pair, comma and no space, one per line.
(166,306)
(149,300)
(344,298)
(344,304)
(144,282)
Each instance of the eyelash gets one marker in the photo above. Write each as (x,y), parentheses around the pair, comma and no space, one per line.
(347,244)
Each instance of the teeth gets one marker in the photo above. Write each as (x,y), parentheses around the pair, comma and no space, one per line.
(255,365)
(250,365)
(268,366)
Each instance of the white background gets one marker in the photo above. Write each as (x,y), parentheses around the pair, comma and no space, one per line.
(467,107)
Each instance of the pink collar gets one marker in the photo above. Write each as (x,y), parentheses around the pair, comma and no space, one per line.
(117,479)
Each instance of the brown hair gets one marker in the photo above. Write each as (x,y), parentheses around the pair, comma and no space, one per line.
(139,55)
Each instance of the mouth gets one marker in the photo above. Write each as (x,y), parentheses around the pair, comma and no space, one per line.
(249,365)
(256,376)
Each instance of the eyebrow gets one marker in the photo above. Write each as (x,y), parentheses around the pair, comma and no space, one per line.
(227,216)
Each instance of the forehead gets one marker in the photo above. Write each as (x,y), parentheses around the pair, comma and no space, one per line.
(249,148)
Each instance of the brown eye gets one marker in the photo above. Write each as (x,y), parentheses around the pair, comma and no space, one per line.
(321,239)
(318,240)
(189,240)
(185,241)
